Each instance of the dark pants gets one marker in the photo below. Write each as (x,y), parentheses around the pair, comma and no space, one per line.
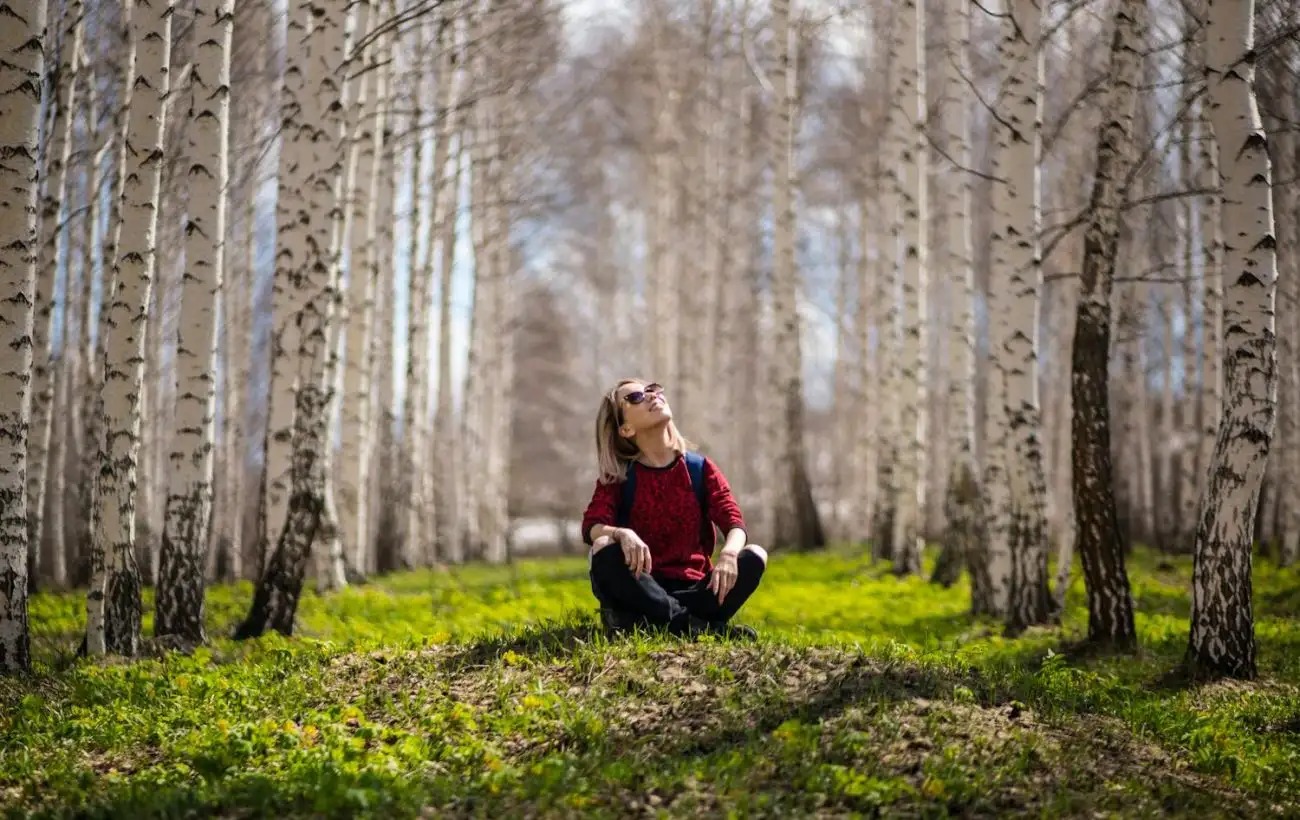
(657,601)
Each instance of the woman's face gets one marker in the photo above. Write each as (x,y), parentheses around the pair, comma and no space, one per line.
(642,406)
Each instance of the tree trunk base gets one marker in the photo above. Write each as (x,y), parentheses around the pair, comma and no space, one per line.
(180,595)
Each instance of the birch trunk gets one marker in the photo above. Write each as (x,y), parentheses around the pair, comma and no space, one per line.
(1065,520)
(1029,596)
(54,234)
(329,195)
(1222,640)
(914,406)
(889,158)
(1187,437)
(1166,480)
(1289,248)
(1098,539)
(289,295)
(180,594)
(445,504)
(797,522)
(316,169)
(1012,219)
(1210,236)
(365,133)
(378,250)
(21,66)
(114,601)
(964,499)
(417,340)
(95,255)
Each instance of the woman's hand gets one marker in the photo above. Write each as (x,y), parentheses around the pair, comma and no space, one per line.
(635,552)
(724,574)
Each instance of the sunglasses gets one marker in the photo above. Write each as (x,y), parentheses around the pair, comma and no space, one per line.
(638,396)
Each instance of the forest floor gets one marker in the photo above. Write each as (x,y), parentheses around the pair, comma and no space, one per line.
(491,692)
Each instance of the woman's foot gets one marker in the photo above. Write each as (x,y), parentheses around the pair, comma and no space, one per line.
(616,621)
(722,629)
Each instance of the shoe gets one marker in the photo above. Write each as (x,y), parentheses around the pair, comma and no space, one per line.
(735,632)
(696,627)
(617,621)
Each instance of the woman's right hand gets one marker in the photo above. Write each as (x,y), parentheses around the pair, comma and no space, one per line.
(635,552)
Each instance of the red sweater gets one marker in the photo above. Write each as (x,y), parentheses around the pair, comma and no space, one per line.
(666,514)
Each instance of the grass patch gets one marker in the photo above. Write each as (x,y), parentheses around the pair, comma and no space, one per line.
(491,692)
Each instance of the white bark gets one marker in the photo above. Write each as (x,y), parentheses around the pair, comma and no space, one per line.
(53,241)
(446,203)
(1222,623)
(1210,397)
(1016,204)
(1289,248)
(327,196)
(366,134)
(417,339)
(21,67)
(795,516)
(126,328)
(189,497)
(964,498)
(288,293)
(910,483)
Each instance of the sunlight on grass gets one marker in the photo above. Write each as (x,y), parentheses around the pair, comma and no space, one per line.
(480,690)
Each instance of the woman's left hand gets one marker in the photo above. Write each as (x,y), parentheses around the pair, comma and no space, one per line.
(724,574)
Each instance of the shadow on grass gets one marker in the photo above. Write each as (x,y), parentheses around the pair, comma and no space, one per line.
(545,640)
(858,683)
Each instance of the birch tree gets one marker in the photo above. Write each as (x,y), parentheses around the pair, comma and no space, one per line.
(417,341)
(446,205)
(796,518)
(22,62)
(1016,204)
(1289,248)
(1098,538)
(911,467)
(964,502)
(1222,639)
(314,169)
(366,133)
(114,601)
(180,591)
(54,235)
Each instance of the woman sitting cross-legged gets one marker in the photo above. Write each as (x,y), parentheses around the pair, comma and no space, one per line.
(650,524)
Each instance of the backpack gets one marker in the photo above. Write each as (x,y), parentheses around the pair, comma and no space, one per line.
(694,466)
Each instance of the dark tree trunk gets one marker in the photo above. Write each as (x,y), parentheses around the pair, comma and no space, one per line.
(810,533)
(122,607)
(1098,539)
(15,640)
(1030,600)
(882,519)
(179,603)
(275,603)
(962,547)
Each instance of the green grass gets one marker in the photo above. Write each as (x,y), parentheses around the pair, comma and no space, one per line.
(490,692)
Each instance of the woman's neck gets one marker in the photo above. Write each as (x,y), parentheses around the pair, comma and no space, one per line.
(656,447)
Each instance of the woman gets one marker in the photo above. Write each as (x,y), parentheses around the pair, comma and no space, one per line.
(651,543)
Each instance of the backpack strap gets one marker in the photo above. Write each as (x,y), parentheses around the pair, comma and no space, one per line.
(627,493)
(695,467)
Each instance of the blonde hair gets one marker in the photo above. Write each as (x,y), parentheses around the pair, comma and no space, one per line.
(615,452)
